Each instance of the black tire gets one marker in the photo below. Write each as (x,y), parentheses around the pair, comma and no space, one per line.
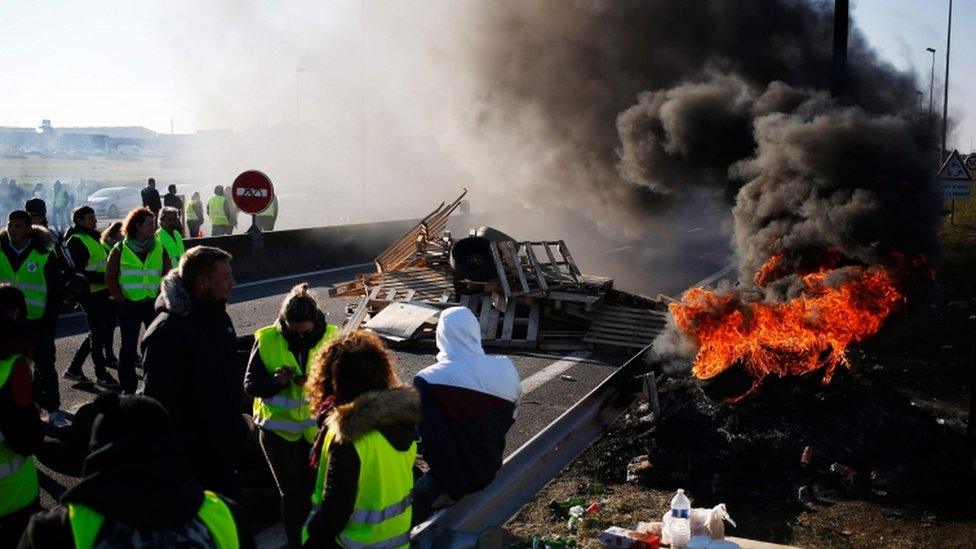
(729,385)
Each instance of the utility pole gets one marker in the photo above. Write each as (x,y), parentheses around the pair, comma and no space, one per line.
(945,99)
(931,94)
(838,80)
(298,96)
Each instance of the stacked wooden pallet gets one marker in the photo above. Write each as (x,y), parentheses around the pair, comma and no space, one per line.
(539,299)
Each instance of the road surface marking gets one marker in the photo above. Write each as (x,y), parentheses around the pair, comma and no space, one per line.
(539,378)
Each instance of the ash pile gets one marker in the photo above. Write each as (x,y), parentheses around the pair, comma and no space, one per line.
(526,294)
(790,443)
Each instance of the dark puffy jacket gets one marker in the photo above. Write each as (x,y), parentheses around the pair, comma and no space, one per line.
(190,362)
(140,483)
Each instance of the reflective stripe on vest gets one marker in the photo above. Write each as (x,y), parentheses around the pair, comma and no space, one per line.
(97,257)
(382,512)
(30,279)
(215,208)
(140,280)
(18,473)
(213,513)
(191,210)
(287,413)
(172,243)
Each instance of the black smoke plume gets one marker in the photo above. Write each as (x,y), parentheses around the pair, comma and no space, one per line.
(642,103)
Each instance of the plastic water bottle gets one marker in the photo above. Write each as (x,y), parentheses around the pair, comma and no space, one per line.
(680,523)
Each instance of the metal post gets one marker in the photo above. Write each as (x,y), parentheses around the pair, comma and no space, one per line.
(931,95)
(838,84)
(945,100)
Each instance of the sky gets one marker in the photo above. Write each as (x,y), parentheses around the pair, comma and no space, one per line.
(148,63)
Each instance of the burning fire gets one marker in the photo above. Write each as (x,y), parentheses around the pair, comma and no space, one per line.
(790,338)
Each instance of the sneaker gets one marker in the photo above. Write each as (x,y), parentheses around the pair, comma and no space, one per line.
(79,377)
(106,380)
(58,419)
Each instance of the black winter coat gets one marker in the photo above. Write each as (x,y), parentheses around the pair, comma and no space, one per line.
(190,362)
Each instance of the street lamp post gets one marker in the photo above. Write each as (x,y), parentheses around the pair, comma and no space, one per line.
(931,93)
(298,102)
(945,99)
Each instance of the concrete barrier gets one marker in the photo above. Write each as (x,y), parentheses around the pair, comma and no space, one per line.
(281,253)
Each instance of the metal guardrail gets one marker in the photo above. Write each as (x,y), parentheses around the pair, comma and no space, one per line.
(535,463)
(474,520)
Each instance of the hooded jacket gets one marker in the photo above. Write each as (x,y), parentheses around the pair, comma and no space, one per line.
(137,477)
(41,240)
(190,364)
(395,414)
(468,402)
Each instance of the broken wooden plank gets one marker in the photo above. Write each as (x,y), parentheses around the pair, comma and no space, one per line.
(483,315)
(540,277)
(356,318)
(511,253)
(499,268)
(533,331)
(509,323)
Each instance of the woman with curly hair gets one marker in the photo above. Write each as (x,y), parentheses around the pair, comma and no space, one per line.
(365,466)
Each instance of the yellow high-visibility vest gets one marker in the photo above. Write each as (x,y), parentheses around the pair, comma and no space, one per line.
(216,211)
(18,473)
(139,279)
(97,258)
(30,279)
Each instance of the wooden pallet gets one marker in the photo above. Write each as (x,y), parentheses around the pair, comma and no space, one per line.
(534,267)
(623,326)
(409,284)
(402,253)
(516,326)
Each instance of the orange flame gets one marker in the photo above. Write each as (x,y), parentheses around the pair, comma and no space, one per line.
(796,337)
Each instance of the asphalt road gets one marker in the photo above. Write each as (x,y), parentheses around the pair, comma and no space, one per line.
(547,394)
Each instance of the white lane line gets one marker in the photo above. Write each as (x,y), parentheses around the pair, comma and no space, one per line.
(539,378)
(302,275)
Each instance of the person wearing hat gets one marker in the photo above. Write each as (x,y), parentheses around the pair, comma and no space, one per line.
(27,262)
(136,490)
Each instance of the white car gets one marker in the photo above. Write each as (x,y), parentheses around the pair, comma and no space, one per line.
(114,202)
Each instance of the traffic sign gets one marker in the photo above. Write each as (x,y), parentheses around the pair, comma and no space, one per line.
(954,179)
(252,191)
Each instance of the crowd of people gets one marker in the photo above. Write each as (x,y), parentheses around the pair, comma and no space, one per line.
(159,466)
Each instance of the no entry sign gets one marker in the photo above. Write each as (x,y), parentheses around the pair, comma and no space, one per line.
(252,191)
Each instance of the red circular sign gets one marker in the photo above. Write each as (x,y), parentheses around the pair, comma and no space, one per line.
(252,191)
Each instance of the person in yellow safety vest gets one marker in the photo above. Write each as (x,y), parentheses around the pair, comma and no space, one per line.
(59,206)
(218,210)
(282,356)
(90,257)
(21,430)
(362,495)
(137,490)
(267,218)
(27,261)
(194,215)
(169,233)
(135,269)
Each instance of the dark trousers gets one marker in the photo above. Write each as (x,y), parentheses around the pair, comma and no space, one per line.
(194,228)
(12,525)
(265,222)
(133,315)
(100,323)
(295,479)
(425,493)
(220,230)
(46,390)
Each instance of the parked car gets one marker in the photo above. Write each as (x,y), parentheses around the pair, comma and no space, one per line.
(114,202)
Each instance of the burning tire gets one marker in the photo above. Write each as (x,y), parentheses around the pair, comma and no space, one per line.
(730,384)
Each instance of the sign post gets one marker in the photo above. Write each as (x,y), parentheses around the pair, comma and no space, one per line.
(955,182)
(252,192)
